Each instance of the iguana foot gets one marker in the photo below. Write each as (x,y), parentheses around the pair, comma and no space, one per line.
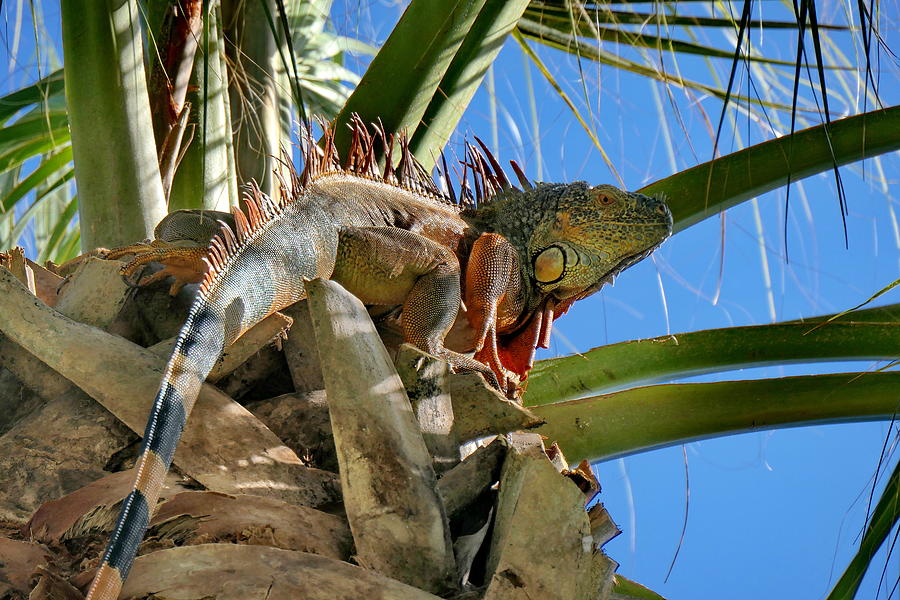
(507,381)
(461,362)
(185,264)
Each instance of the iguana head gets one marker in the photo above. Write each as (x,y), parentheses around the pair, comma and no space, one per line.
(558,243)
(591,235)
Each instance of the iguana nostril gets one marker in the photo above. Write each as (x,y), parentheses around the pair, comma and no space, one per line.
(366,228)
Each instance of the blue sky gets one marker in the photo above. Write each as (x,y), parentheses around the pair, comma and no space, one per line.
(772,514)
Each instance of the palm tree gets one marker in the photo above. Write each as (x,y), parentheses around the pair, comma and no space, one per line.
(219,84)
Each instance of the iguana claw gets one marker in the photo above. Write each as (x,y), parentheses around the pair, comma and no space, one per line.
(185,264)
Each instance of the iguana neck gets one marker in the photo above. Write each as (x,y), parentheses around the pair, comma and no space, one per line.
(515,213)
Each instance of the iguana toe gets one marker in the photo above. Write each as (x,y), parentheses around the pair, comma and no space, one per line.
(185,264)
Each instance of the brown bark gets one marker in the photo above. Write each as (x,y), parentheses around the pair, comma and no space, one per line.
(58,440)
(202,517)
(460,486)
(301,421)
(480,410)
(169,79)
(224,572)
(395,513)
(124,377)
(301,352)
(536,552)
(425,379)
(18,560)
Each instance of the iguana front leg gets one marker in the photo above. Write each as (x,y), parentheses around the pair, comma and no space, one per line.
(494,297)
(180,245)
(390,266)
(185,264)
(509,324)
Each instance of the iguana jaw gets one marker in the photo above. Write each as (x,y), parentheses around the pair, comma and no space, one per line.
(613,273)
(551,307)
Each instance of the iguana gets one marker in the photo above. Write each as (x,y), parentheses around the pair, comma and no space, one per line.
(513,258)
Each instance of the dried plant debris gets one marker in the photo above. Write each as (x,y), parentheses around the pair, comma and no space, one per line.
(270,330)
(62,443)
(150,315)
(425,379)
(18,562)
(301,421)
(123,377)
(94,294)
(556,456)
(394,510)
(562,569)
(88,510)
(480,410)
(468,546)
(221,571)
(40,281)
(203,517)
(16,401)
(301,352)
(508,522)
(463,484)
(603,528)
(52,586)
(584,478)
(263,375)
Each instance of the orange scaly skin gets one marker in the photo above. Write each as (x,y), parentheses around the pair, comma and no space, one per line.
(518,258)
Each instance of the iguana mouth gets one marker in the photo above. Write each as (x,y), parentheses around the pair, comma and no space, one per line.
(548,310)
(612,273)
(552,307)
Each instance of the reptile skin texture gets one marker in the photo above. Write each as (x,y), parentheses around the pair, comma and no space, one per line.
(515,258)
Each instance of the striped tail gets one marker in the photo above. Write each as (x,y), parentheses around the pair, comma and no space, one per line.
(199,344)
(236,294)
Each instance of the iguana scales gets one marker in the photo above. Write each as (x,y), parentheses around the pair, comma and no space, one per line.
(513,258)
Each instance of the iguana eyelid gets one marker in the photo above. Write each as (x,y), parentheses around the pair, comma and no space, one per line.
(602,198)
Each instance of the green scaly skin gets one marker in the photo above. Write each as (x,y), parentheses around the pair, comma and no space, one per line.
(518,261)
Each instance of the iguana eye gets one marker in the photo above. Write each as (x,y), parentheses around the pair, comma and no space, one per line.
(550,265)
(604,200)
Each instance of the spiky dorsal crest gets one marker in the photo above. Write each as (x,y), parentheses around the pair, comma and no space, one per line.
(480,180)
(488,179)
(259,210)
(321,159)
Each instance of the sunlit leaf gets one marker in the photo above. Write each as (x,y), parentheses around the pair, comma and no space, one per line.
(536,30)
(559,41)
(565,98)
(37,177)
(705,190)
(543,13)
(880,292)
(875,336)
(640,419)
(62,236)
(36,93)
(15,156)
(625,589)
(36,125)
(881,522)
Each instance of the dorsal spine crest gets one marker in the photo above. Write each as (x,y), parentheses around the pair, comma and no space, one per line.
(321,159)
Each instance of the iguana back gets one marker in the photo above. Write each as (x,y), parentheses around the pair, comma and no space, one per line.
(390,237)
